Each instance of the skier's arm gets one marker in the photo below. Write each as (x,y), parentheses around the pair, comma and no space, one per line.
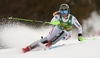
(77,24)
(55,18)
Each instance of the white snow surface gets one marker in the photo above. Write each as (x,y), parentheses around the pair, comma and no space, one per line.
(73,49)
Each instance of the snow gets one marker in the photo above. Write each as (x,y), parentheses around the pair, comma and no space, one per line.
(74,49)
(92,23)
(16,36)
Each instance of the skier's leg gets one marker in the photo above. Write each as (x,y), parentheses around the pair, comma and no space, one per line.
(54,38)
(35,44)
(48,38)
(58,37)
(53,33)
(62,35)
(68,35)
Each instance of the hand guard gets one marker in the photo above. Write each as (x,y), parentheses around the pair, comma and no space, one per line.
(80,38)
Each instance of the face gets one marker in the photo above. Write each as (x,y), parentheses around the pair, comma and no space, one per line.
(64,15)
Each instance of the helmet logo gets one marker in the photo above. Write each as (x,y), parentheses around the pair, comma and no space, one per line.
(64,7)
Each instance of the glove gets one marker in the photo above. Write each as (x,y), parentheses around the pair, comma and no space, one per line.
(80,38)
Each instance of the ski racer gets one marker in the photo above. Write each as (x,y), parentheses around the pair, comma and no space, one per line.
(60,31)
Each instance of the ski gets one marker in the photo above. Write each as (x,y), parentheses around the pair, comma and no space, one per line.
(53,47)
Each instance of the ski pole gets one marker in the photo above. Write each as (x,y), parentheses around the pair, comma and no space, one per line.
(90,39)
(53,23)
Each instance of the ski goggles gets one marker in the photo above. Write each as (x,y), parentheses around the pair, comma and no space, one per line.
(64,11)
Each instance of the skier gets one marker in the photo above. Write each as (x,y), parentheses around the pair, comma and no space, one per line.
(61,31)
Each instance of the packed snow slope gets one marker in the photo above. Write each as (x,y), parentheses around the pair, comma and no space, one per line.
(73,49)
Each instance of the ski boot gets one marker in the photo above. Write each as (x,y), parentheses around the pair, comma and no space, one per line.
(28,48)
(48,44)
